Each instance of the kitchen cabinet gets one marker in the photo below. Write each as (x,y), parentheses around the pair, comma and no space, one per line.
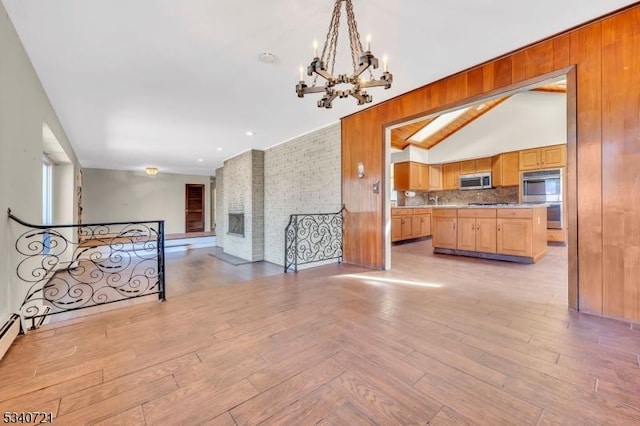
(467,167)
(435,177)
(505,169)
(522,232)
(445,222)
(514,234)
(478,165)
(451,176)
(543,158)
(409,223)
(477,230)
(411,176)
(514,237)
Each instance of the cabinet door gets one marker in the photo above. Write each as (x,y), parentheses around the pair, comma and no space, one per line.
(486,238)
(467,167)
(396,228)
(483,165)
(510,169)
(467,233)
(415,176)
(435,178)
(406,227)
(421,225)
(401,176)
(451,176)
(444,232)
(515,237)
(553,156)
(530,159)
(496,170)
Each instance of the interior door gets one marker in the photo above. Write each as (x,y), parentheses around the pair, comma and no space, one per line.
(194,208)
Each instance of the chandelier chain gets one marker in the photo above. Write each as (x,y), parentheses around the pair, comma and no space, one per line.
(354,36)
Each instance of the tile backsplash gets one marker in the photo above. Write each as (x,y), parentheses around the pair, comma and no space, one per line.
(506,194)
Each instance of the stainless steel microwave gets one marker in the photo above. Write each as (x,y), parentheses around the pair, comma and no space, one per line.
(476,181)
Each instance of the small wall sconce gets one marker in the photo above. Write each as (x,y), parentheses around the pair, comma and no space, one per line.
(151,171)
(360,170)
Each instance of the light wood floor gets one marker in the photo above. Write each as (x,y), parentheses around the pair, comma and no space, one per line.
(440,339)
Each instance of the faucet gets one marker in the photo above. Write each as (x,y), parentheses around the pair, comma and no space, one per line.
(434,199)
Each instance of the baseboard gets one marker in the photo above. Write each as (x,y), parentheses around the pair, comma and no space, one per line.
(8,333)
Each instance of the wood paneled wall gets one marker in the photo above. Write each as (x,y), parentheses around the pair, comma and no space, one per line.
(603,64)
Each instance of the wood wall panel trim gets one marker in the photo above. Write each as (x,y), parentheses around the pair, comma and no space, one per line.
(616,36)
(539,59)
(620,141)
(475,82)
(571,203)
(586,52)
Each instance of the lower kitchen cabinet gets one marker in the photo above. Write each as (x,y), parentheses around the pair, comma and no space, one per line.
(445,222)
(514,237)
(408,223)
(477,230)
(515,234)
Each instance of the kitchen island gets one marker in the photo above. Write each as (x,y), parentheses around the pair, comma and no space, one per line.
(516,233)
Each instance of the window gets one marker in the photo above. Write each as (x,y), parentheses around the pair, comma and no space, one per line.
(47,191)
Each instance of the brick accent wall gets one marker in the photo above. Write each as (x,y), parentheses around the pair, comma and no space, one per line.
(243,192)
(301,176)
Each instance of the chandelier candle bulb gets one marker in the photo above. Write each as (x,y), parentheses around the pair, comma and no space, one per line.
(369,43)
(301,74)
(315,48)
(385,63)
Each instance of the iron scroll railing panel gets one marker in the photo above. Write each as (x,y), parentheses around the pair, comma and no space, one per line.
(311,238)
(70,267)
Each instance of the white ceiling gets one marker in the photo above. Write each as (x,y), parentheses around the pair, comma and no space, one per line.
(166,82)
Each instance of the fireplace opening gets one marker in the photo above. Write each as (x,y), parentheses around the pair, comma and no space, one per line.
(236,224)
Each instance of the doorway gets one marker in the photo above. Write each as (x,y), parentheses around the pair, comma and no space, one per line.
(194,208)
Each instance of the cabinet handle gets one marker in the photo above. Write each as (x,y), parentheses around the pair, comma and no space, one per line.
(477,227)
(473,227)
(498,227)
(454,225)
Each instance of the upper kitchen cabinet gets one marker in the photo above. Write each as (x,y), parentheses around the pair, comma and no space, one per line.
(505,170)
(435,178)
(411,176)
(451,176)
(479,165)
(543,158)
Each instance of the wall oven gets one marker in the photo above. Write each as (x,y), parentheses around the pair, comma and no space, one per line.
(545,187)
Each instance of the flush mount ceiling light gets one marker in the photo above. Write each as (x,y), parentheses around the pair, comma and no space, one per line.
(267,58)
(361,60)
(250,133)
(151,171)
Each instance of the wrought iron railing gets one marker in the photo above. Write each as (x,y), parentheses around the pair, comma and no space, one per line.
(70,267)
(311,238)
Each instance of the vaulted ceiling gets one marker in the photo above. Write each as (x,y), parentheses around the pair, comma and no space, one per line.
(168,83)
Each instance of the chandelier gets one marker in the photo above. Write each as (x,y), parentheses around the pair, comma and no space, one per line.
(362,61)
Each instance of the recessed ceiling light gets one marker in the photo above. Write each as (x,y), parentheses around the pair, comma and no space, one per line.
(250,133)
(200,160)
(267,58)
(219,149)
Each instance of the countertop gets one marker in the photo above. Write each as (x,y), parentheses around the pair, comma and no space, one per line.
(468,206)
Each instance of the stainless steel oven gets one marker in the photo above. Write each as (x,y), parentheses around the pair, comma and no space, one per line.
(545,187)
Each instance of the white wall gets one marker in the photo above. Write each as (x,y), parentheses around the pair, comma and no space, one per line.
(526,120)
(301,176)
(118,195)
(24,107)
